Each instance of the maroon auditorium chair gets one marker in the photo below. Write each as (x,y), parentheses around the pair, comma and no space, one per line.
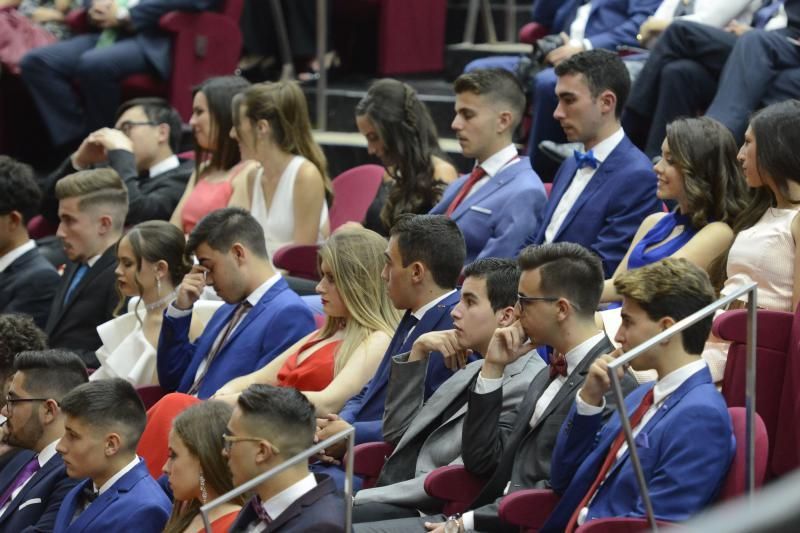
(368,460)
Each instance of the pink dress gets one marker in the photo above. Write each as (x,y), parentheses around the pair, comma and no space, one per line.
(206,197)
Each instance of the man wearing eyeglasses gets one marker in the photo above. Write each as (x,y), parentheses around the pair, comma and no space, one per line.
(34,483)
(268,426)
(141,148)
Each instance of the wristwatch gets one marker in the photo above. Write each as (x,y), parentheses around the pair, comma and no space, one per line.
(453,524)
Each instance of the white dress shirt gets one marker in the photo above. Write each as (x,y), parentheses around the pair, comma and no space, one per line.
(663,388)
(47,453)
(16,253)
(493,165)
(164,166)
(116,477)
(419,313)
(577,29)
(281,501)
(582,177)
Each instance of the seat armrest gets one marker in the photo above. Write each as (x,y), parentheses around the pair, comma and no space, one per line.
(528,508)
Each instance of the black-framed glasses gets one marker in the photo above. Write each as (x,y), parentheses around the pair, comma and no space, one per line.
(228,440)
(11,401)
(522,300)
(128,125)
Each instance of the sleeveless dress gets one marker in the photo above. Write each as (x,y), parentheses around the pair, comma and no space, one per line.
(207,197)
(278,219)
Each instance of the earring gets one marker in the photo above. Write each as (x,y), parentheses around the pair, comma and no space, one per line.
(158,286)
(203,491)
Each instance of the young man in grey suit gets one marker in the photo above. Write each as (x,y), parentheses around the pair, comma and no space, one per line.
(559,290)
(428,434)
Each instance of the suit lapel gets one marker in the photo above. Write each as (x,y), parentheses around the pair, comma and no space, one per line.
(505,176)
(43,472)
(560,185)
(268,296)
(437,403)
(105,260)
(106,499)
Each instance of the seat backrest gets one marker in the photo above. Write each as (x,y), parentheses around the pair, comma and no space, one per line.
(150,394)
(353,192)
(734,484)
(298,260)
(619,525)
(368,461)
(232,8)
(455,486)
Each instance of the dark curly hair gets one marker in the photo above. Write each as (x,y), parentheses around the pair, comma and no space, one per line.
(18,333)
(18,189)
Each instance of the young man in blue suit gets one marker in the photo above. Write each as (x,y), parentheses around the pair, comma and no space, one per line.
(681,425)
(28,281)
(104,420)
(600,197)
(128,41)
(500,202)
(34,483)
(262,316)
(423,262)
(268,426)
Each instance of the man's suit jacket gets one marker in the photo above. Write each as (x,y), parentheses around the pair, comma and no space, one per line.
(134,504)
(409,420)
(37,504)
(73,325)
(365,410)
(28,286)
(278,320)
(685,451)
(153,198)
(497,218)
(319,510)
(507,450)
(610,209)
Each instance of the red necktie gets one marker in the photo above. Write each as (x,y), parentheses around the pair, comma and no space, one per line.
(477,174)
(558,365)
(611,457)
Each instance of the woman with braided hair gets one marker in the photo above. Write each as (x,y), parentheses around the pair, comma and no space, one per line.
(400,132)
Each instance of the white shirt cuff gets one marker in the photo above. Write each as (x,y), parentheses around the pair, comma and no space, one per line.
(584,409)
(174,312)
(487,385)
(587,45)
(468,519)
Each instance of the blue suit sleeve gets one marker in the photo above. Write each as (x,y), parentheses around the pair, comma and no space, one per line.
(576,440)
(47,521)
(518,219)
(625,33)
(369,431)
(353,405)
(544,11)
(175,351)
(146,14)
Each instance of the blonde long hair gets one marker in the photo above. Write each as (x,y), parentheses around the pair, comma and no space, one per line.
(355,257)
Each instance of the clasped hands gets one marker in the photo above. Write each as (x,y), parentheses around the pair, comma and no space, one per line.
(94,148)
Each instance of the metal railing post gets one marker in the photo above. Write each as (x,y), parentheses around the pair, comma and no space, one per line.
(322,48)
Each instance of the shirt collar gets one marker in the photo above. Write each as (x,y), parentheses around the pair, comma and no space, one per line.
(578,353)
(419,313)
(47,453)
(604,148)
(670,383)
(116,477)
(92,260)
(498,161)
(165,165)
(16,253)
(281,501)
(262,289)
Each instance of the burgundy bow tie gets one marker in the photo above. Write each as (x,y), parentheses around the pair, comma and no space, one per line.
(558,365)
(262,513)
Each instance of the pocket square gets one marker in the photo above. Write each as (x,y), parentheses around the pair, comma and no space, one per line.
(480,209)
(29,502)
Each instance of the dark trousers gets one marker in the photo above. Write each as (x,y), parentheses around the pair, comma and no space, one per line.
(258,27)
(52,72)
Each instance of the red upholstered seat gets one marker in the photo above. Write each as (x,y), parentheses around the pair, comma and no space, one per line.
(454,485)
(368,460)
(353,192)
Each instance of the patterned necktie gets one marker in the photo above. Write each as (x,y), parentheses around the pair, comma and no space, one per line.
(262,513)
(81,271)
(474,177)
(611,458)
(24,475)
(558,365)
(586,160)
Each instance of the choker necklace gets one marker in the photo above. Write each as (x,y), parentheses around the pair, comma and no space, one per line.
(161,302)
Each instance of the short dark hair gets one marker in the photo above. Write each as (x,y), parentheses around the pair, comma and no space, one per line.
(108,404)
(281,414)
(502,279)
(567,270)
(433,240)
(675,288)
(18,189)
(222,228)
(158,111)
(498,85)
(18,333)
(603,70)
(51,373)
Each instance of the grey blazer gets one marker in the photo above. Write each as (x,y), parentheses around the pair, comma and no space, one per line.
(406,419)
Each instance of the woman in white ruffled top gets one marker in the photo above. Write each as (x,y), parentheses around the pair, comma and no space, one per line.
(151,264)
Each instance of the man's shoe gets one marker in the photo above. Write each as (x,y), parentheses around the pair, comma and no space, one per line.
(559,152)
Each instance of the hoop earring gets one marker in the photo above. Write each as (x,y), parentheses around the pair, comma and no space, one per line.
(203,491)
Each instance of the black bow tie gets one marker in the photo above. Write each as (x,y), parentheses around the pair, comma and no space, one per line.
(89,494)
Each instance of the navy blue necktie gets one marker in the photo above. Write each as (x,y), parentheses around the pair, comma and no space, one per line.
(76,279)
(586,160)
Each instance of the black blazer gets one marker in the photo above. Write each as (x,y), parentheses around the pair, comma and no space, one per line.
(320,510)
(73,326)
(515,453)
(28,285)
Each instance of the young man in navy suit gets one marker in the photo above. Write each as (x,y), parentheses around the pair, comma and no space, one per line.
(104,420)
(262,316)
(681,425)
(34,483)
(28,281)
(599,197)
(268,426)
(501,201)
(423,262)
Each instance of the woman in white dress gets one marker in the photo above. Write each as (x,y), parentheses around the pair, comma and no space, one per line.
(289,194)
(151,265)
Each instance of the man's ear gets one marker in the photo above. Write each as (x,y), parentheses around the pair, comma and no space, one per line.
(505,121)
(113,444)
(239,252)
(105,223)
(162,133)
(505,316)
(418,271)
(608,102)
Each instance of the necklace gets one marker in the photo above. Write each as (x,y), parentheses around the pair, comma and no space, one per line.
(161,302)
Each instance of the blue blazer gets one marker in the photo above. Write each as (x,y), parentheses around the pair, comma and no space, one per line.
(610,209)
(497,218)
(28,286)
(134,504)
(278,320)
(365,410)
(37,504)
(685,451)
(611,22)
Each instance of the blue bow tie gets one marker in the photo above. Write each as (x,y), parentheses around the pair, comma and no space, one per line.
(586,160)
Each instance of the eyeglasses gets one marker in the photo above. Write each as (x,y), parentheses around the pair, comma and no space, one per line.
(229,439)
(11,401)
(523,300)
(128,125)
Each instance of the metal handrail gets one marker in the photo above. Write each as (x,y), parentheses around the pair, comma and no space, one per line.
(322,48)
(750,400)
(349,434)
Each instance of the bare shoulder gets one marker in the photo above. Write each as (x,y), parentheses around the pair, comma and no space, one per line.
(716,230)
(444,170)
(308,174)
(796,227)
